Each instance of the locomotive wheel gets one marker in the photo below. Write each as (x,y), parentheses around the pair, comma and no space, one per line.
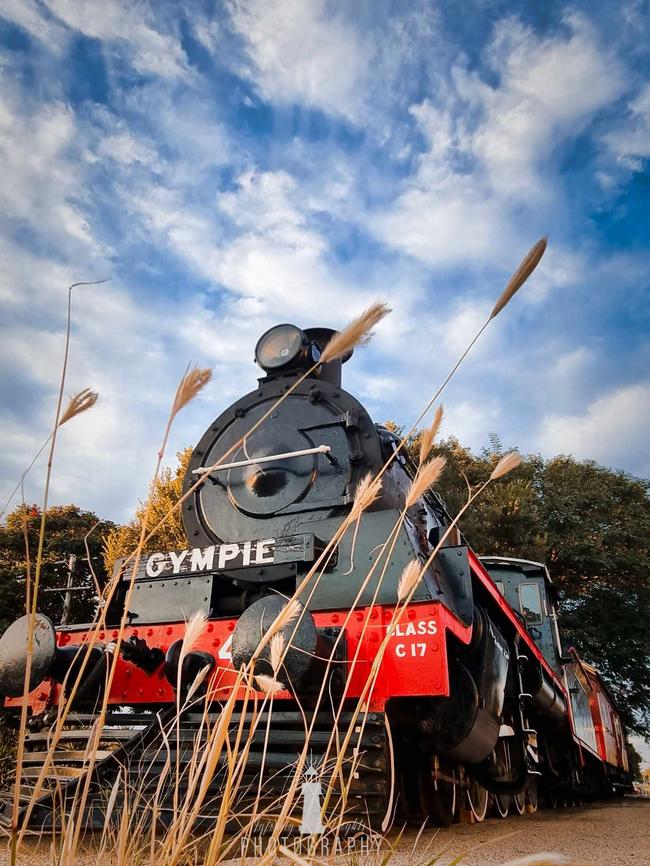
(438,797)
(502,804)
(532,799)
(477,799)
(519,802)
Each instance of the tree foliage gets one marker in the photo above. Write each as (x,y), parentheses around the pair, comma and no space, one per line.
(67,531)
(164,493)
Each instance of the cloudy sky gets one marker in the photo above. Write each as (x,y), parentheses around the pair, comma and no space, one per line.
(233,165)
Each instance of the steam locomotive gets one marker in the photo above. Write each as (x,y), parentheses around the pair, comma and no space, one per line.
(474,703)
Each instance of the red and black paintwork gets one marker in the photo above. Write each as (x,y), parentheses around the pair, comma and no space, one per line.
(464,698)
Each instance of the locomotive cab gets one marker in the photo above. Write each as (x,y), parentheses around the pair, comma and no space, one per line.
(528,589)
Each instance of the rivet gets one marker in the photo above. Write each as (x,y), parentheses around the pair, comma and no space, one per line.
(149,632)
(359,616)
(335,617)
(373,613)
(169,629)
(231,626)
(411,614)
(101,635)
(114,633)
(210,627)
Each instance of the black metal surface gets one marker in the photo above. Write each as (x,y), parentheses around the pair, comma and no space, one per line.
(123,733)
(259,501)
(13,654)
(195,662)
(169,599)
(299,636)
(452,569)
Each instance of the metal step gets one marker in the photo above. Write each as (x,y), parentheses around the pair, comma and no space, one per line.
(141,755)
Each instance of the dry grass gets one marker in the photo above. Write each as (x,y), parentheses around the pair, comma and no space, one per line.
(357,333)
(516,281)
(409,579)
(506,464)
(427,475)
(81,402)
(428,435)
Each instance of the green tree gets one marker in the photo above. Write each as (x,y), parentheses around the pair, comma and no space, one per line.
(67,531)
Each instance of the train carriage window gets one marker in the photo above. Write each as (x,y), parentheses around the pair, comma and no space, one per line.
(530,602)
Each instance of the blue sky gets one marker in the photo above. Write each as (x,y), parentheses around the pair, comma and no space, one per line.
(233,165)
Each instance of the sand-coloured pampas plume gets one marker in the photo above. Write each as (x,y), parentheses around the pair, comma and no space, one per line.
(357,333)
(189,386)
(193,630)
(268,685)
(81,402)
(516,281)
(427,436)
(289,612)
(276,651)
(507,463)
(198,679)
(410,577)
(426,477)
(367,491)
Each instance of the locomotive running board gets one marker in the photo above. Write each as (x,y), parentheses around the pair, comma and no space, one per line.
(122,734)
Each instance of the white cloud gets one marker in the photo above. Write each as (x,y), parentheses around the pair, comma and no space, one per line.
(150,50)
(612,430)
(303,52)
(489,147)
(35,20)
(631,139)
(548,90)
(40,177)
(127,149)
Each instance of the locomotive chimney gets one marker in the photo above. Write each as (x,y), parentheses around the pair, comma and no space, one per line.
(330,372)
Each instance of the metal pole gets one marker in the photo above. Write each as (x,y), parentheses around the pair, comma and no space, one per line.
(253,461)
(71,565)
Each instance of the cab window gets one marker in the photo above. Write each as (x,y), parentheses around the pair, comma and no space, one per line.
(530,602)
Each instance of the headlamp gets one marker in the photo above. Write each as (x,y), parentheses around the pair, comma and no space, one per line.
(280,347)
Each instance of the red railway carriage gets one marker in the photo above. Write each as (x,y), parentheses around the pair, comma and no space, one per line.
(458,686)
